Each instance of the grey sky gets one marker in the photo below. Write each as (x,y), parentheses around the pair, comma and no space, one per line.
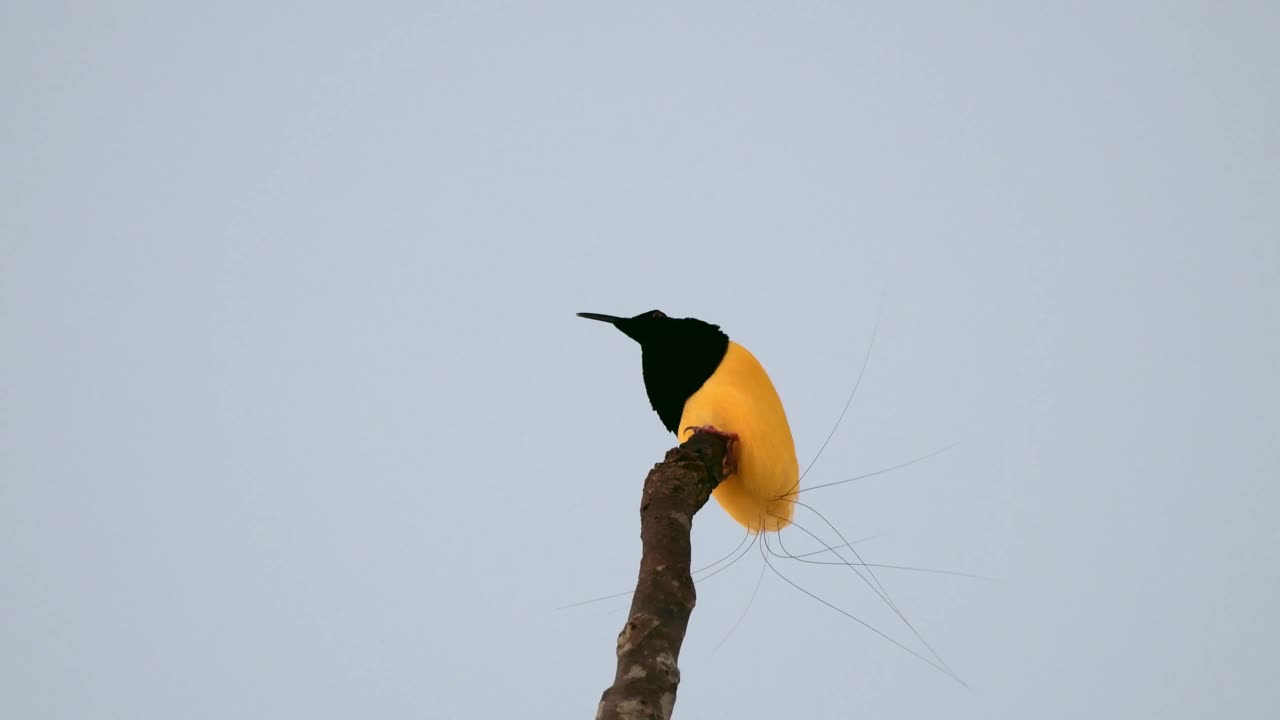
(296,419)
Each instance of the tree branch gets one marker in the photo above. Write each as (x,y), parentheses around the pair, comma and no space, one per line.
(644,687)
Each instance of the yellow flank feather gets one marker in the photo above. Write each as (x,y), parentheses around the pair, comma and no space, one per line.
(739,398)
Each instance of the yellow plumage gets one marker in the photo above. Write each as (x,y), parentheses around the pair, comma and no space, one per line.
(739,398)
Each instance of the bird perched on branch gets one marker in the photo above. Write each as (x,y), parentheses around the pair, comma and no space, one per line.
(699,379)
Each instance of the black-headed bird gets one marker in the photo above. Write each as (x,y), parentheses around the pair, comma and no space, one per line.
(699,379)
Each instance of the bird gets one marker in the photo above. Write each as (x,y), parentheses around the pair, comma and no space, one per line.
(697,379)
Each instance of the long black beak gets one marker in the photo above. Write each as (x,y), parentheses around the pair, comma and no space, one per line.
(602,318)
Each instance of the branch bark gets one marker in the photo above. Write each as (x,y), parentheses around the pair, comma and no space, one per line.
(644,687)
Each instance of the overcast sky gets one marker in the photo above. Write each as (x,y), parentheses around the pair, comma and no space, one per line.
(296,419)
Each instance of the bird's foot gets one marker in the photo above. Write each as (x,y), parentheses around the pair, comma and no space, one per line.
(730,465)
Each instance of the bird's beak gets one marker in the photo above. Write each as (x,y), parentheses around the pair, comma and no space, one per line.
(602,318)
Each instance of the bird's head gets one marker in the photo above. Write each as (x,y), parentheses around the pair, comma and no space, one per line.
(661,334)
(677,356)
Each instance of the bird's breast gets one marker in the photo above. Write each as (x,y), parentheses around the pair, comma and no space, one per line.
(740,398)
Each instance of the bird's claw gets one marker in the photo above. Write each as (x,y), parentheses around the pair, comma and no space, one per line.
(730,465)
